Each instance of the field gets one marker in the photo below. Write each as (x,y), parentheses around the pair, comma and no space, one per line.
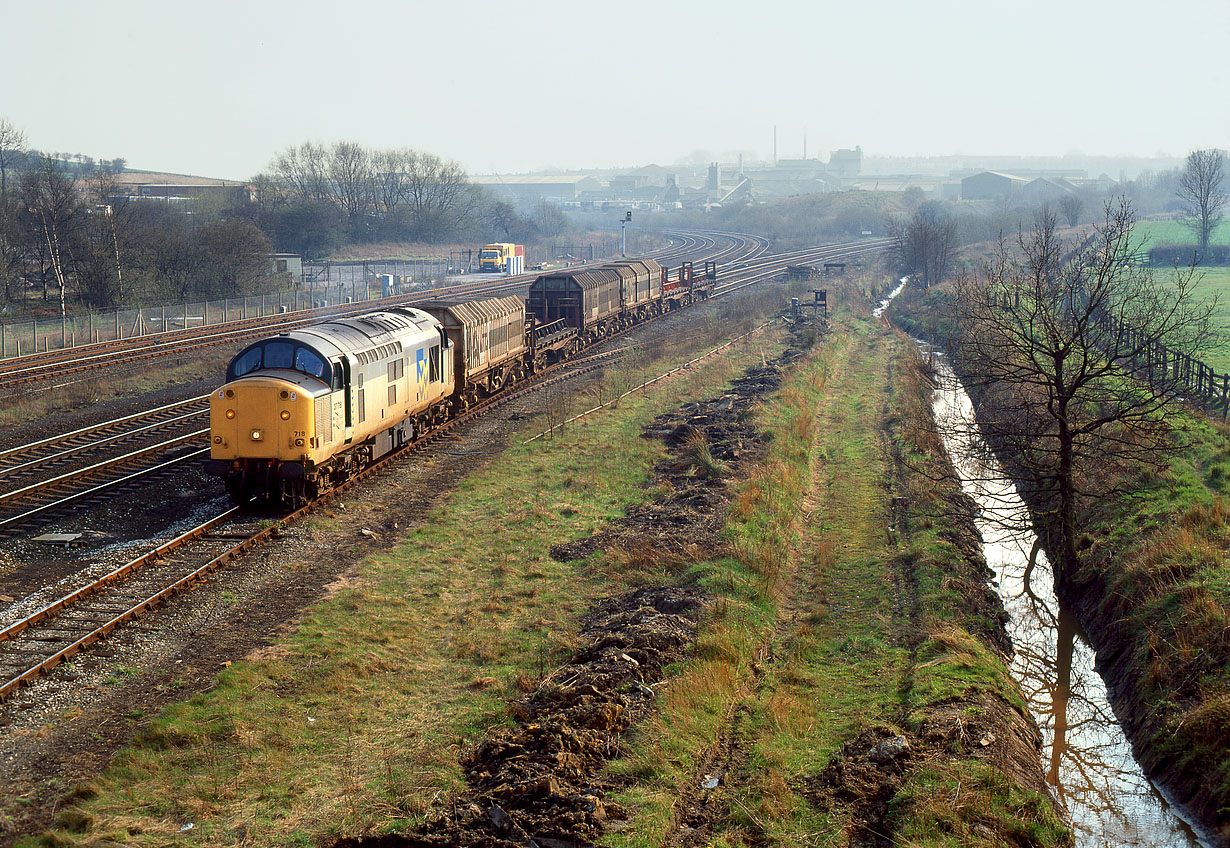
(1176,232)
(1215,282)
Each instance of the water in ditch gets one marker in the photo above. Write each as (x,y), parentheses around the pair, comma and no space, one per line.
(1088,761)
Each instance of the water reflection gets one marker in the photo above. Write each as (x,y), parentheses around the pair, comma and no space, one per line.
(1089,763)
(879,310)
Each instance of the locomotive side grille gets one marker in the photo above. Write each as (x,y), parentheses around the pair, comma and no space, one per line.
(324,420)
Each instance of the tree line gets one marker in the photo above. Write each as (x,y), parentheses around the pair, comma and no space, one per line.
(314,198)
(68,232)
(63,234)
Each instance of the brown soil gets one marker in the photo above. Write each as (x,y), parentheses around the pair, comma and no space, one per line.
(64,729)
(866,774)
(540,782)
(683,524)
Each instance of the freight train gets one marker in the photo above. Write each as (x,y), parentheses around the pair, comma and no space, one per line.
(302,411)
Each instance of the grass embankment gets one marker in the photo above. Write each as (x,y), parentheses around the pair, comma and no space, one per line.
(829,633)
(356,720)
(1153,592)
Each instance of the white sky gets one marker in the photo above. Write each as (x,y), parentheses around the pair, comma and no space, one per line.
(218,87)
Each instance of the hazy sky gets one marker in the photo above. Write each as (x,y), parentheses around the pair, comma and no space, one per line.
(218,87)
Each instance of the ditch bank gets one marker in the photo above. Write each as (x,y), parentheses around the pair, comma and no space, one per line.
(1176,724)
(962,759)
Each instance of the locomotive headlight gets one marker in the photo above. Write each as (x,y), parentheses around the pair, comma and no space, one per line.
(230,413)
(298,443)
(285,414)
(256,435)
(217,440)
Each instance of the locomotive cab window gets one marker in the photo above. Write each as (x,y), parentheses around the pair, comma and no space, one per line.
(279,354)
(246,362)
(310,363)
(433,359)
(282,354)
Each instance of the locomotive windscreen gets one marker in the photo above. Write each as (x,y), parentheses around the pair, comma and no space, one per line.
(279,354)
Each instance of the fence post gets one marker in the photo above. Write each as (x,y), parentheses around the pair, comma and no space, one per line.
(34,324)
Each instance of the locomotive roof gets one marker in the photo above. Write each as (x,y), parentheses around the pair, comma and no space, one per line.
(347,335)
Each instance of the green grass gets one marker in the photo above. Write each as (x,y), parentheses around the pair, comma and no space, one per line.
(971,807)
(1176,232)
(812,648)
(356,723)
(1215,282)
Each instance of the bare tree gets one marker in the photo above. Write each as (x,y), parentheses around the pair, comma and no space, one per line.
(925,244)
(12,141)
(548,220)
(419,191)
(389,171)
(1049,341)
(305,172)
(350,174)
(1071,205)
(1201,194)
(50,194)
(105,188)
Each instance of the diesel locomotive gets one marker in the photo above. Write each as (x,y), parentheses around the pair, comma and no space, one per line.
(303,410)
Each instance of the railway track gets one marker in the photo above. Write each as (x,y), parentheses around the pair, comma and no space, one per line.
(47,478)
(44,638)
(43,478)
(38,641)
(39,372)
